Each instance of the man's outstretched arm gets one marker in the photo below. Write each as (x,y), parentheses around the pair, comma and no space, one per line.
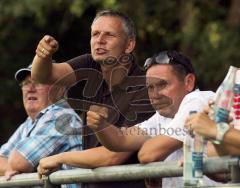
(90,158)
(43,68)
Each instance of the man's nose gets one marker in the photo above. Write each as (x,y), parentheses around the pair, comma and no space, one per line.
(32,87)
(156,92)
(101,38)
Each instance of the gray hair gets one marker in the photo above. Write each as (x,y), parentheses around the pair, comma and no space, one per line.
(128,24)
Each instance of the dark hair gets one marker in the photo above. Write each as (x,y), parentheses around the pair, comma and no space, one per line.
(128,24)
(181,65)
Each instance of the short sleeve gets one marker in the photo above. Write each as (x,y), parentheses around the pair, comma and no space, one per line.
(190,103)
(155,125)
(174,128)
(47,140)
(11,143)
(83,61)
(36,147)
(149,125)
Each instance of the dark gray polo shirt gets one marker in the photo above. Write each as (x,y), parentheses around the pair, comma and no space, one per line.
(128,103)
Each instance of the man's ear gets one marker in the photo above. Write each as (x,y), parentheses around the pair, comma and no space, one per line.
(130,46)
(189,82)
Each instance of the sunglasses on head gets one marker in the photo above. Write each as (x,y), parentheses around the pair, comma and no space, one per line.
(166,58)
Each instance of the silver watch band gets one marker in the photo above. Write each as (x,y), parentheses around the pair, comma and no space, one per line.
(222,128)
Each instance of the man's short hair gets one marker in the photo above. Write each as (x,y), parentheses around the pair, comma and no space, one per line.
(181,64)
(128,24)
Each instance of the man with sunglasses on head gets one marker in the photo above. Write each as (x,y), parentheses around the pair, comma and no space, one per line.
(170,79)
(52,126)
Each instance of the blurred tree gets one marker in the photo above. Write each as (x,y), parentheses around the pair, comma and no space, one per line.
(206,31)
(234,14)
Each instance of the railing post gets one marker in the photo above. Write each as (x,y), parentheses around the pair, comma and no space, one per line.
(48,184)
(235,174)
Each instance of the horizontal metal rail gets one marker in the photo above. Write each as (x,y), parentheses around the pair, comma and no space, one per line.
(121,173)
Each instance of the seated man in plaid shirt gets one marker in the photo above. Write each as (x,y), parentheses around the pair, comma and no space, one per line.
(51,127)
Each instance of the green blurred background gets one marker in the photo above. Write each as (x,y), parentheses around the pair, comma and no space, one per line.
(205,30)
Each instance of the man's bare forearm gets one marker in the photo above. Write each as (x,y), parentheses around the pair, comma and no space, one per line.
(125,139)
(18,162)
(110,136)
(113,138)
(42,69)
(40,64)
(3,165)
(230,143)
(92,158)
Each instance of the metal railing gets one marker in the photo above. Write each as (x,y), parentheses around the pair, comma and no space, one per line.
(123,173)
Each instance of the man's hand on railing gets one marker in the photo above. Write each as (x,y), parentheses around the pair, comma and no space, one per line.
(9,173)
(48,165)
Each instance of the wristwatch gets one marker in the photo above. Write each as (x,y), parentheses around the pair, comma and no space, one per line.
(222,128)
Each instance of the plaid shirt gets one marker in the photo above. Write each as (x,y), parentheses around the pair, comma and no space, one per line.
(55,129)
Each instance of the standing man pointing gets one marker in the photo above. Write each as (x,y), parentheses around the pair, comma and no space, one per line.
(113,79)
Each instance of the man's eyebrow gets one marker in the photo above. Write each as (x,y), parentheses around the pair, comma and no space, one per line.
(156,78)
(158,82)
(162,81)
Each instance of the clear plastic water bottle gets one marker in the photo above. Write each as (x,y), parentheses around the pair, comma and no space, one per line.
(187,162)
(224,97)
(197,158)
(188,179)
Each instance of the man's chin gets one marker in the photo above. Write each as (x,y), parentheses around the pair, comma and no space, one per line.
(165,112)
(32,110)
(99,58)
(161,107)
(31,107)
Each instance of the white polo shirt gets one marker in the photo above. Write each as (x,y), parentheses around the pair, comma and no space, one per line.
(159,125)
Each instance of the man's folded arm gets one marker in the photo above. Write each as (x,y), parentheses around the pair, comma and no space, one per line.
(158,148)
(124,139)
(3,165)
(18,162)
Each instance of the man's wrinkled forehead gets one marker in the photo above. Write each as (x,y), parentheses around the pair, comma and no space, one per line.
(107,17)
(155,80)
(160,71)
(112,23)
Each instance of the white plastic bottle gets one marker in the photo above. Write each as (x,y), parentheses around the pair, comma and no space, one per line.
(188,179)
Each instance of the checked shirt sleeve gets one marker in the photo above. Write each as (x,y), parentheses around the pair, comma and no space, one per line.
(11,143)
(46,140)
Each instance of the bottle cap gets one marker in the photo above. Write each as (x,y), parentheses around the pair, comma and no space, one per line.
(192,112)
(237,78)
